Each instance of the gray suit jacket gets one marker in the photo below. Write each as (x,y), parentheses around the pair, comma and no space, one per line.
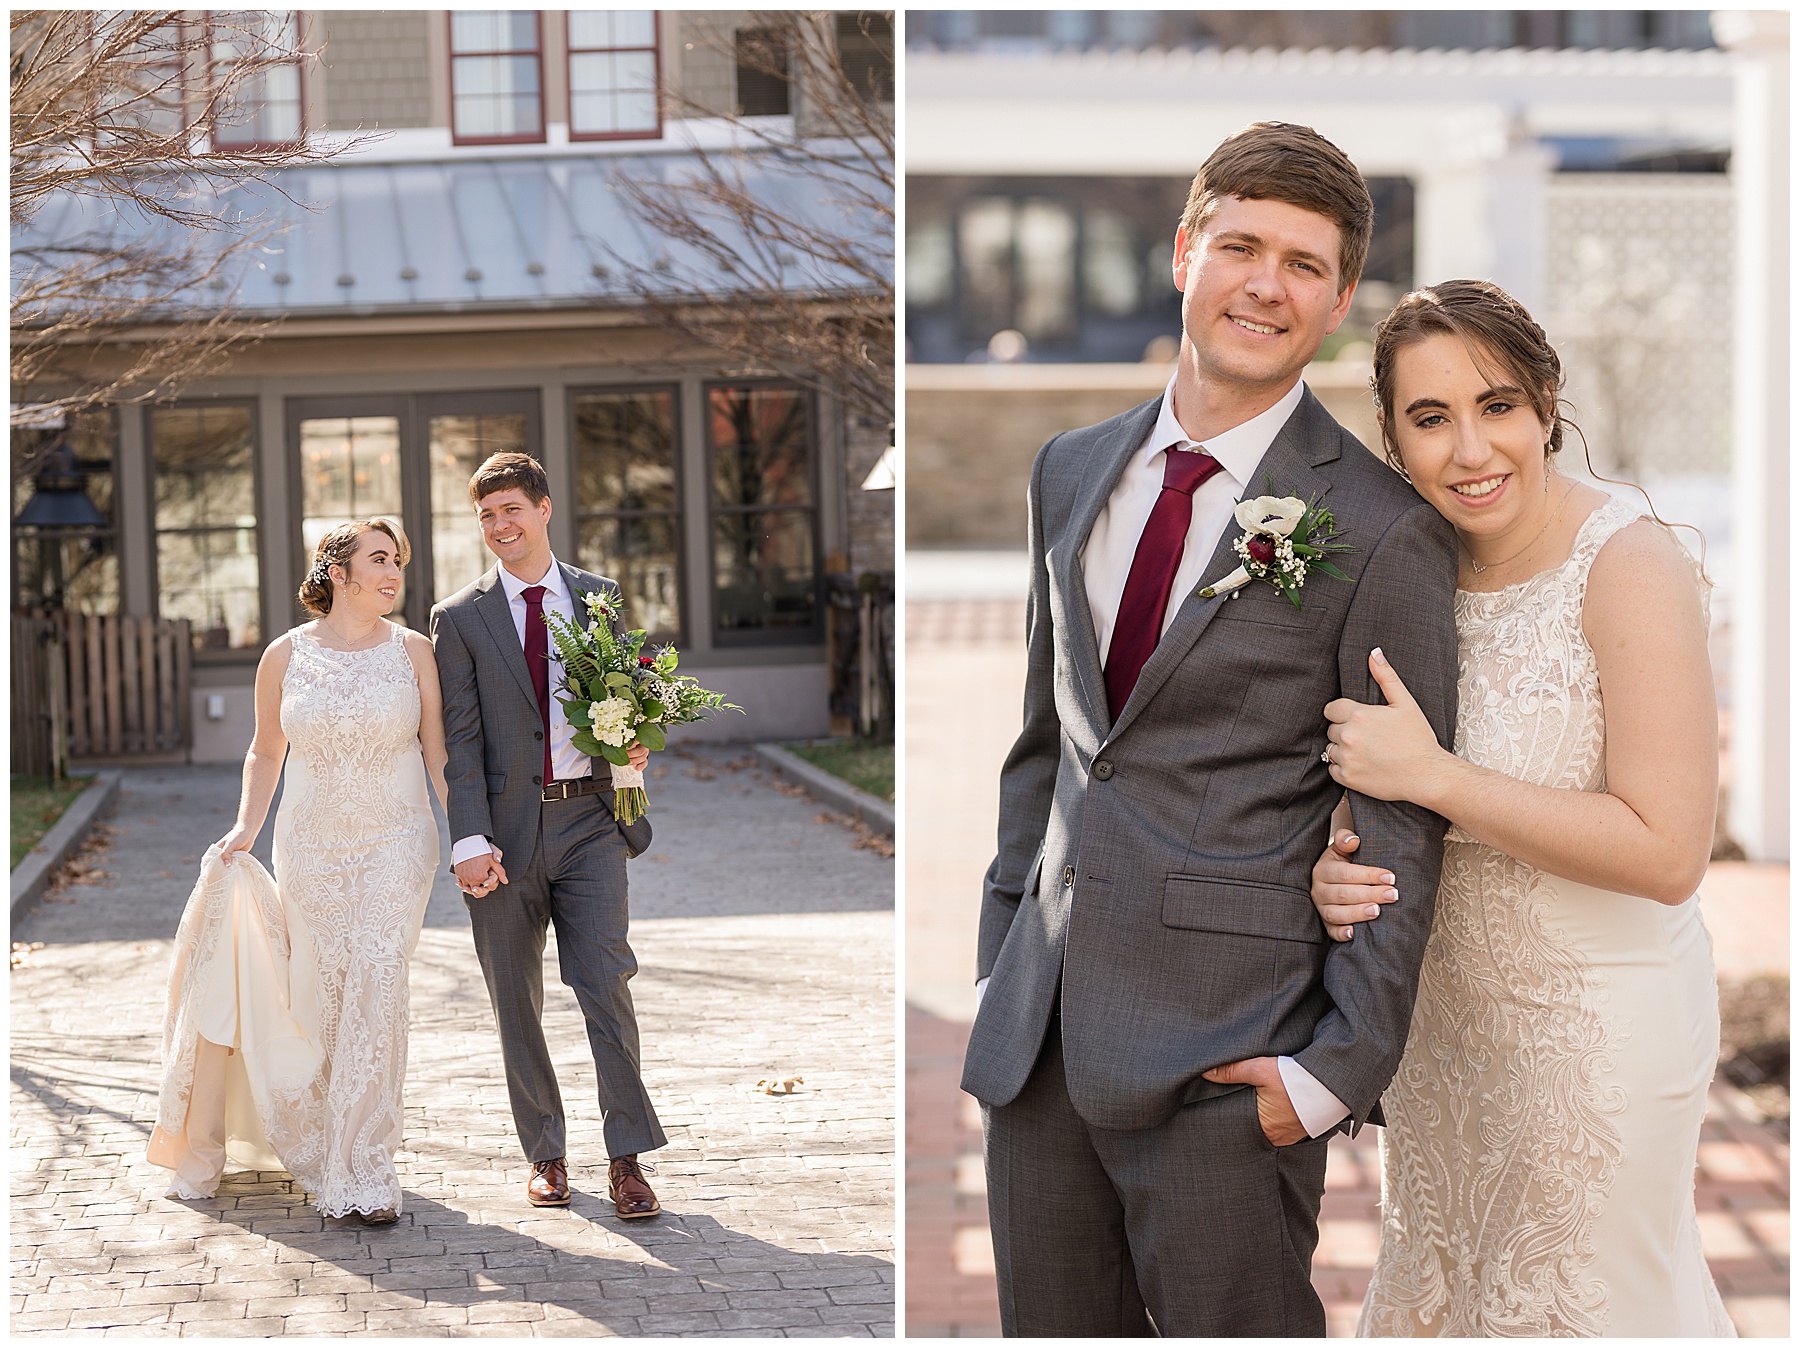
(1158,869)
(491,723)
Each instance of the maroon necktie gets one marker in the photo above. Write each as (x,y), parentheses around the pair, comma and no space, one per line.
(1153,568)
(537,660)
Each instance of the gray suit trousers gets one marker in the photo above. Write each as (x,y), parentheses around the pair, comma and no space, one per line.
(576,879)
(1197,1227)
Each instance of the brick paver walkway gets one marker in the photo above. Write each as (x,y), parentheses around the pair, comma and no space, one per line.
(765,938)
(965,679)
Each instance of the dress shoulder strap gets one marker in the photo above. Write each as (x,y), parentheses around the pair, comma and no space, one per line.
(1605,521)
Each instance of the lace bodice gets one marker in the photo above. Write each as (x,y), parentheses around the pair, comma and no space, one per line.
(1527,689)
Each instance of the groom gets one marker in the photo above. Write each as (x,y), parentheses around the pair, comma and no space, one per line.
(520,792)
(1165,1038)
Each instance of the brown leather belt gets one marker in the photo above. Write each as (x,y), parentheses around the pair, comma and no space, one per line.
(580,786)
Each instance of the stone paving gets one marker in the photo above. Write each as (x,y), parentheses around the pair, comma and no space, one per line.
(765,934)
(965,682)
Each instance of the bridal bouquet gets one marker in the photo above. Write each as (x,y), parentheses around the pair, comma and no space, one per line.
(613,694)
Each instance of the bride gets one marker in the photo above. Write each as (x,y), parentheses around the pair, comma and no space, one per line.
(1538,1160)
(285,1042)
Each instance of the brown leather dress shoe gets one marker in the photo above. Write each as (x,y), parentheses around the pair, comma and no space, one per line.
(625,1185)
(549,1184)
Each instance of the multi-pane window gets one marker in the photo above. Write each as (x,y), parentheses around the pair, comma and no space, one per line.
(64,548)
(458,444)
(349,470)
(145,91)
(764,518)
(865,44)
(206,558)
(496,75)
(763,73)
(628,503)
(264,107)
(612,74)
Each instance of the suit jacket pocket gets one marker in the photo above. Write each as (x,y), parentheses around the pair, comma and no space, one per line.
(1261,602)
(1240,907)
(496,783)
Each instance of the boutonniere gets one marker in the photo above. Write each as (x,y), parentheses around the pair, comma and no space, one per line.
(1284,539)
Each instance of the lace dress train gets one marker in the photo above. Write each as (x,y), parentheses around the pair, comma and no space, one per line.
(1538,1163)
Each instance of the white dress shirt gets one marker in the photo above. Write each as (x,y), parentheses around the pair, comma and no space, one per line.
(1106,560)
(1106,563)
(568,761)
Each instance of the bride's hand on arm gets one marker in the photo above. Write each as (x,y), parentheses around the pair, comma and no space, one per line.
(268,747)
(1343,892)
(1391,752)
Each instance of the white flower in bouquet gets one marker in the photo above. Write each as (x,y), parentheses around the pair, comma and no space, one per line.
(612,721)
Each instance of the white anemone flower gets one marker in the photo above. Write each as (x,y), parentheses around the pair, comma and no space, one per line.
(1277,515)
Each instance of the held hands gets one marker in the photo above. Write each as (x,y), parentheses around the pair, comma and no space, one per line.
(1391,752)
(1345,893)
(1280,1124)
(480,876)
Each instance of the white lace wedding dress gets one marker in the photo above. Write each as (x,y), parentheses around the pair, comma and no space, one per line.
(284,1046)
(1538,1160)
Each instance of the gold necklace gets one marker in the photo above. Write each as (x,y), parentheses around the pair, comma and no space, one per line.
(1534,542)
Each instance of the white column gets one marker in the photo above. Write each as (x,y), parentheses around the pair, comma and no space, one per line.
(1518,216)
(1453,230)
(1760,555)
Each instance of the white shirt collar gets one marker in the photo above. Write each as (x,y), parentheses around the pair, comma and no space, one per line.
(1238,450)
(552,582)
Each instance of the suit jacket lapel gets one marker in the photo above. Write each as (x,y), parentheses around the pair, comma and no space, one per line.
(496,612)
(1308,439)
(1077,619)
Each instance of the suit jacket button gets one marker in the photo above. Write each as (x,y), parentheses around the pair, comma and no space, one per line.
(537,734)
(537,781)
(1103,768)
(1068,876)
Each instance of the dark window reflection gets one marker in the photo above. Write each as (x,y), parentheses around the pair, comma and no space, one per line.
(205,491)
(626,496)
(765,573)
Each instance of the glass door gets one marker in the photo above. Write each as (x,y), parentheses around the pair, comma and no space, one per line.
(408,457)
(461,431)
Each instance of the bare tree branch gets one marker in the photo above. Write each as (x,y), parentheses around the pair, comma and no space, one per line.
(116,117)
(783,247)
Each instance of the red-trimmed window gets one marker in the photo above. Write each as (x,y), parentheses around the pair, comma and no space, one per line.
(147,93)
(267,109)
(613,75)
(496,76)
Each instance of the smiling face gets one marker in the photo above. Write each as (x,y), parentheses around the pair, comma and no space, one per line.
(1469,438)
(369,585)
(1260,292)
(517,531)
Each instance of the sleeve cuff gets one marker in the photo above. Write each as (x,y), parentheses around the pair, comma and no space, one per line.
(475,846)
(980,991)
(1320,1111)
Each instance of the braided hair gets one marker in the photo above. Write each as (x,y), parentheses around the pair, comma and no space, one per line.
(336,549)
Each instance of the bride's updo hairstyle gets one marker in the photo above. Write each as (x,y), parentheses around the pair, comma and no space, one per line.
(336,549)
(1486,318)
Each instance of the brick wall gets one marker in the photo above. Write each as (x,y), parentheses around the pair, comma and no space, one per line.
(377,68)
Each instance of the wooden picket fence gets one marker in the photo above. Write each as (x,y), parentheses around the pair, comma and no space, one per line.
(108,687)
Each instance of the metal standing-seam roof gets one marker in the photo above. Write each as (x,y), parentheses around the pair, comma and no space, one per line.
(468,233)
